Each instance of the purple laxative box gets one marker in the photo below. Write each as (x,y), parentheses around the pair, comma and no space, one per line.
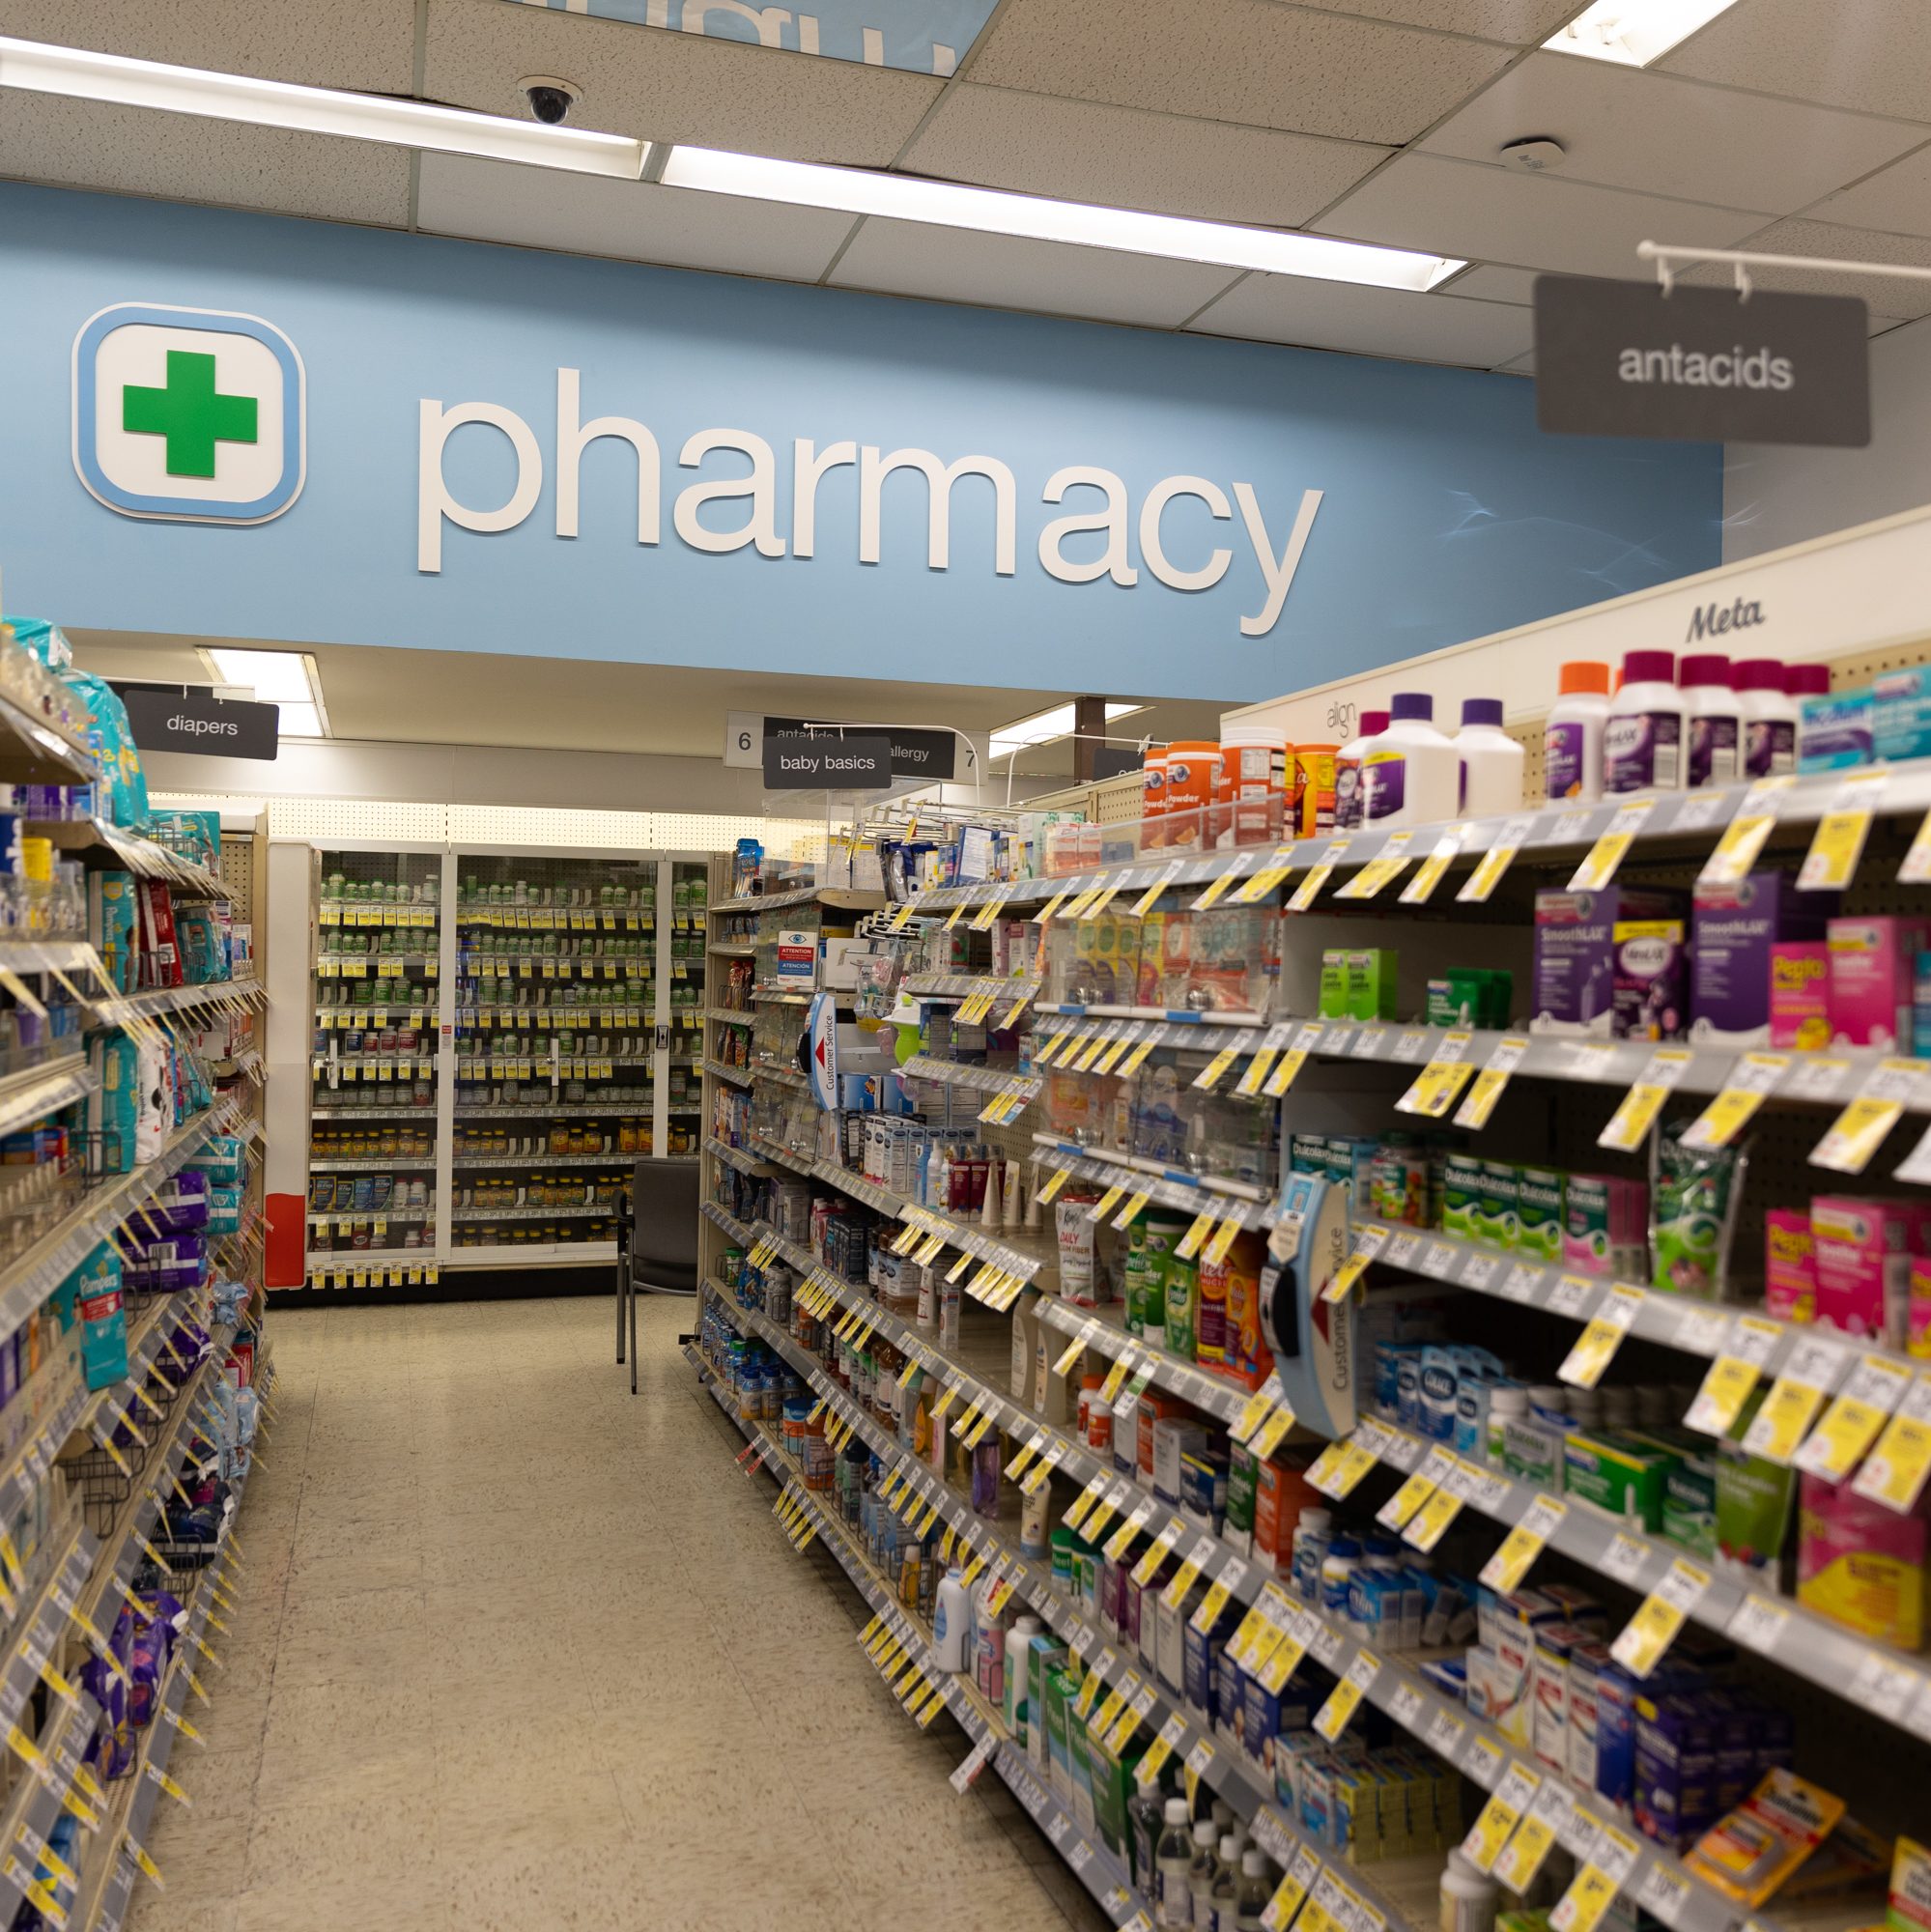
(1575,957)
(1732,930)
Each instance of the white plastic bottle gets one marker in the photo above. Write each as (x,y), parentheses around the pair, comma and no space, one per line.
(1412,773)
(950,1619)
(1173,1870)
(1492,761)
(1469,1896)
(1643,740)
(1018,1669)
(1225,1888)
(1767,717)
(1347,771)
(1313,1533)
(1571,740)
(1203,1873)
(1711,719)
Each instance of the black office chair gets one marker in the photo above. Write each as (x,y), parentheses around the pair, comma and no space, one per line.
(657,1241)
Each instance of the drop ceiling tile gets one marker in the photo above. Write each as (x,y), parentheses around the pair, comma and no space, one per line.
(537,207)
(360,43)
(1488,282)
(1655,134)
(1874,55)
(1897,197)
(1127,157)
(1368,322)
(1248,61)
(912,258)
(1887,295)
(667,86)
(94,144)
(1483,214)
(1523,23)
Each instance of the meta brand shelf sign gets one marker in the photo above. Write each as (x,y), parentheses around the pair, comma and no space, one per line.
(1700,365)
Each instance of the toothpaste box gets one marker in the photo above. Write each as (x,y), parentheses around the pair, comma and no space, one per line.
(1500,1695)
(1790,1266)
(1588,1659)
(1732,931)
(1901,714)
(1799,994)
(1577,957)
(1549,1724)
(1873,968)
(1835,733)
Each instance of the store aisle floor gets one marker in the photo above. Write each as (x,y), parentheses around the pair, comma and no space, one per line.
(515,1653)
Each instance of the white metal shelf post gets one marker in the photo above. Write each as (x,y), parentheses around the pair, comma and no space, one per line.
(448,941)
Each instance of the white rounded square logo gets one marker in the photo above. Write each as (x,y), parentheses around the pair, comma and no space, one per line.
(189,415)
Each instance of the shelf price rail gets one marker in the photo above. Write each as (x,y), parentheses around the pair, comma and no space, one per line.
(1652,1875)
(1155,1705)
(1097,1868)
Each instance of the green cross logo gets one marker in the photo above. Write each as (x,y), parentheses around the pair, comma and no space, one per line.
(191,413)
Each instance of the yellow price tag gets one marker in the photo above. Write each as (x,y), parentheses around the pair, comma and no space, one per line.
(1309,889)
(1501,1816)
(1136,1205)
(1748,1085)
(1288,1070)
(1596,1347)
(1438,1085)
(1331,1720)
(1430,1524)
(1779,1425)
(1744,837)
(1135,1060)
(1859,1131)
(1215,1070)
(1188,1245)
(1420,889)
(1606,854)
(1640,1105)
(1895,1472)
(1525,1853)
(1056,1181)
(1482,882)
(1271,1432)
(1096,1522)
(1409,1497)
(1072,1352)
(1206,1612)
(1650,1633)
(1832,862)
(1386,866)
(1506,1569)
(1212,896)
(1343,1476)
(1581,1908)
(1254,1410)
(1490,1082)
(1269,878)
(1216,1251)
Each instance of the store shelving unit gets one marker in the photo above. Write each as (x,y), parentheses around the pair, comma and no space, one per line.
(548,1036)
(1860,1703)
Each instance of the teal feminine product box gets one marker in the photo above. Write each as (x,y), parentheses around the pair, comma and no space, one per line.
(1901,714)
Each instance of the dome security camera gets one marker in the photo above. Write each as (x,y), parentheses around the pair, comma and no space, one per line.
(550,99)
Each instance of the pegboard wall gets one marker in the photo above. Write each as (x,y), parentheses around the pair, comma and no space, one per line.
(238,874)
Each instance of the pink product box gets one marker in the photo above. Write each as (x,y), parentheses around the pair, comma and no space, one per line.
(1863,1252)
(1800,993)
(1917,1318)
(1790,1264)
(1873,963)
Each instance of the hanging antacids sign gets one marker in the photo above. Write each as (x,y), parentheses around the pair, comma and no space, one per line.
(772,527)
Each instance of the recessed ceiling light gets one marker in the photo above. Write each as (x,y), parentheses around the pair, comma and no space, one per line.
(288,679)
(83,76)
(1632,33)
(1046,728)
(1084,225)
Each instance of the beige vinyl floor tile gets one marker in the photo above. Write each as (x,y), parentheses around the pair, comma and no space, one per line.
(512,1652)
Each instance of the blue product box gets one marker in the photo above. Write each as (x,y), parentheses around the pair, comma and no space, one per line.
(1835,733)
(1229,1691)
(1260,1718)
(1901,714)
(1675,1792)
(1616,1734)
(1198,1648)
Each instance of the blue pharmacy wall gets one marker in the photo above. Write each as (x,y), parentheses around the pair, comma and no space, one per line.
(1443,514)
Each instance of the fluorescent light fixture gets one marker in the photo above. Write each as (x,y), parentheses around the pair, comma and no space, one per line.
(1046,728)
(1632,33)
(43,69)
(993,212)
(287,679)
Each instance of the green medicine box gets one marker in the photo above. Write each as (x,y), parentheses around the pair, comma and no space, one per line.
(1371,982)
(1333,985)
(1622,1474)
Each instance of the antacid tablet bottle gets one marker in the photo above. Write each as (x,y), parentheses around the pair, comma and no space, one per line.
(1571,741)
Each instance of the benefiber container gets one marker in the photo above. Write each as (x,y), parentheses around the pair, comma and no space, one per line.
(1193,777)
(1254,766)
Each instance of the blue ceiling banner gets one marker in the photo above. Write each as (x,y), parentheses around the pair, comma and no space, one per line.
(322,433)
(919,35)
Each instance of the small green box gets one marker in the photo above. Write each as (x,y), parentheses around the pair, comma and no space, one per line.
(1440,1009)
(1498,1216)
(1333,985)
(1623,1474)
(1539,1212)
(1371,982)
(1461,1196)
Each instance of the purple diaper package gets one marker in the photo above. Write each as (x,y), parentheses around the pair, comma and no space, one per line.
(165,1267)
(1732,931)
(1587,980)
(181,1206)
